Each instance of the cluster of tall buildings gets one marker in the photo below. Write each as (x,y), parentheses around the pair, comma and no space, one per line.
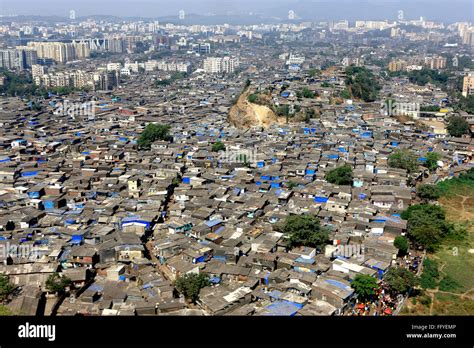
(20,58)
(168,66)
(61,52)
(216,65)
(98,80)
(434,63)
(24,57)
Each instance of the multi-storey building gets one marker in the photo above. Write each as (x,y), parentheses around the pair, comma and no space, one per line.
(468,84)
(215,65)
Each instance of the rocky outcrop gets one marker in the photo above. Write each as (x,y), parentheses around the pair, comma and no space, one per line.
(246,115)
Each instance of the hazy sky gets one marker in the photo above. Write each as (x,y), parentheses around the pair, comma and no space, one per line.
(441,10)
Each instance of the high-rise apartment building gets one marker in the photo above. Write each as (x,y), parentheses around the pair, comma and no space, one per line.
(9,59)
(468,84)
(215,65)
(435,63)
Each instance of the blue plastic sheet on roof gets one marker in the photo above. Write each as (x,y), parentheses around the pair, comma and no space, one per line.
(220,258)
(28,174)
(337,284)
(215,280)
(213,223)
(362,196)
(321,199)
(4,160)
(281,308)
(422,159)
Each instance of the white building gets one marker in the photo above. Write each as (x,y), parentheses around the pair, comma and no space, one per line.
(216,65)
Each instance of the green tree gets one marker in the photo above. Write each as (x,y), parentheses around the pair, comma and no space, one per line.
(252,98)
(345,94)
(305,230)
(430,275)
(218,146)
(340,176)
(432,159)
(364,286)
(307,93)
(457,126)
(291,184)
(427,225)
(57,283)
(6,288)
(400,280)
(448,284)
(191,284)
(401,243)
(424,76)
(466,104)
(362,84)
(404,159)
(152,133)
(428,192)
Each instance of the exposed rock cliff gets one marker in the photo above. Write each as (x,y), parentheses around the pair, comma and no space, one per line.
(246,115)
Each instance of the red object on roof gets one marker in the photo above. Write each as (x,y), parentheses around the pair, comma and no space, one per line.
(388,311)
(361,306)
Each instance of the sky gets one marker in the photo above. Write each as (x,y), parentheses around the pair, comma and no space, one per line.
(440,10)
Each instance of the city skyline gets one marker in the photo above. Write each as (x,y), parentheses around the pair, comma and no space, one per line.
(440,10)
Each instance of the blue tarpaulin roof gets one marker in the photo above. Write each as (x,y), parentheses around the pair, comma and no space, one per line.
(213,223)
(286,308)
(337,284)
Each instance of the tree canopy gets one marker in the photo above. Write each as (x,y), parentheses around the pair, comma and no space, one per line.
(427,225)
(430,275)
(466,104)
(457,126)
(340,176)
(403,159)
(218,146)
(432,159)
(424,76)
(428,192)
(364,286)
(6,288)
(191,284)
(152,133)
(305,230)
(400,280)
(401,243)
(57,283)
(362,84)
